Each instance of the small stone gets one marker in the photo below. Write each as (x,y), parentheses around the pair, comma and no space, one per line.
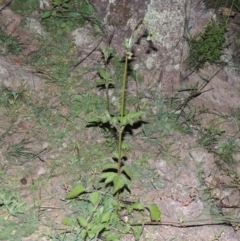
(42,170)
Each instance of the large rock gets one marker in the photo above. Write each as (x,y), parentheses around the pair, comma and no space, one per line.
(159,59)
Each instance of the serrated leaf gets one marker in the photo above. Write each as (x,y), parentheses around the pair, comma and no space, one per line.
(155,213)
(82,222)
(110,166)
(127,171)
(105,217)
(67,222)
(95,197)
(76,191)
(138,206)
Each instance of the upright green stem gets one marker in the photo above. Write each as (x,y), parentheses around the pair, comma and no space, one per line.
(107,97)
(121,118)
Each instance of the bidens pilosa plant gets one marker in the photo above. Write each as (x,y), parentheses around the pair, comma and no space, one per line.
(109,217)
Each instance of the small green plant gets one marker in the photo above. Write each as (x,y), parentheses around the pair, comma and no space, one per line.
(24,6)
(68,14)
(9,44)
(13,205)
(10,97)
(13,229)
(207,46)
(108,216)
(18,153)
(226,151)
(210,138)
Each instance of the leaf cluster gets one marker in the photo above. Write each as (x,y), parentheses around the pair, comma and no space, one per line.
(207,46)
(12,204)
(105,215)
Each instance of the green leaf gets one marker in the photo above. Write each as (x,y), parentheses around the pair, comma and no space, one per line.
(137,231)
(125,146)
(105,217)
(63,25)
(104,74)
(91,234)
(6,233)
(83,233)
(110,177)
(67,221)
(155,213)
(106,175)
(115,154)
(124,121)
(129,119)
(112,237)
(136,115)
(46,14)
(76,191)
(118,184)
(126,181)
(110,166)
(127,171)
(94,119)
(54,13)
(65,5)
(114,120)
(82,222)
(97,228)
(138,206)
(95,197)
(127,228)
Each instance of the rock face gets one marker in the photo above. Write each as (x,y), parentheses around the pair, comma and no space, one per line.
(166,19)
(15,77)
(163,23)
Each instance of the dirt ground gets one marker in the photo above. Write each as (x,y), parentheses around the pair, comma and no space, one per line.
(46,147)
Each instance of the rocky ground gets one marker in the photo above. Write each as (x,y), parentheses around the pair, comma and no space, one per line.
(185,158)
